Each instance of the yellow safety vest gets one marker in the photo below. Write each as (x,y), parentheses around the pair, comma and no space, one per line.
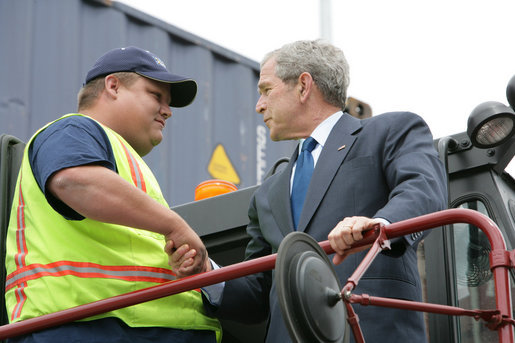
(53,263)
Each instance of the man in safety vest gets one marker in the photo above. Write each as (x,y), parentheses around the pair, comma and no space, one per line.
(89,220)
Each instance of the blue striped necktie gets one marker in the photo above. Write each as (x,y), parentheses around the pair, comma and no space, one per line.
(303,172)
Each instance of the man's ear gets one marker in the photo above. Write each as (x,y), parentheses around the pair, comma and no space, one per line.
(112,85)
(305,86)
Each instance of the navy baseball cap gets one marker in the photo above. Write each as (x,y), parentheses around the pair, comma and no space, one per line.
(132,59)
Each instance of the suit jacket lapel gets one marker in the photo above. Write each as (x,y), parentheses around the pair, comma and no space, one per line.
(279,197)
(336,148)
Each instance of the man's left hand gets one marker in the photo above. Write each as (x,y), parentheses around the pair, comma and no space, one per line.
(347,232)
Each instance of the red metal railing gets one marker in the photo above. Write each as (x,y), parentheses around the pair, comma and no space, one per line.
(501,261)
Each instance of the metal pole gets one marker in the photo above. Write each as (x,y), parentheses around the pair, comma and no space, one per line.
(326,29)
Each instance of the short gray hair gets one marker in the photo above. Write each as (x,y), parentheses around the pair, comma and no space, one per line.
(323,61)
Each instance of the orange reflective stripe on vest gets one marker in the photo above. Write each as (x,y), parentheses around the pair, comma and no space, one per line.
(22,252)
(137,175)
(20,232)
(88,270)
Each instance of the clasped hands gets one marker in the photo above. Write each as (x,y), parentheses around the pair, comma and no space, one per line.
(342,237)
(182,260)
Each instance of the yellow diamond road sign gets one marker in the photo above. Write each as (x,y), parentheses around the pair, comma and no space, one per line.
(220,167)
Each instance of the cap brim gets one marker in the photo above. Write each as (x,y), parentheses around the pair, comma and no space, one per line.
(182,90)
(182,93)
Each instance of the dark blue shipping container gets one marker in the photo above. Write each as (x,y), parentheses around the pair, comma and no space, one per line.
(48,46)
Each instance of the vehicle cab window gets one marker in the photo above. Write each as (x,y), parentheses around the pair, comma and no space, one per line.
(474,279)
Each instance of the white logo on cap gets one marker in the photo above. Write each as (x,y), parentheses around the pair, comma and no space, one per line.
(158,61)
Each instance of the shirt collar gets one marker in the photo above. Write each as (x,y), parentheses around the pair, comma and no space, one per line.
(322,131)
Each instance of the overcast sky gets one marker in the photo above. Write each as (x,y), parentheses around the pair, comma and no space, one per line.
(437,58)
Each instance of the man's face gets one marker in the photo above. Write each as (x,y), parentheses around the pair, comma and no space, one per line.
(278,103)
(144,107)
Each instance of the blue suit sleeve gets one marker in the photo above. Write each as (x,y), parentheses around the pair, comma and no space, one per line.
(413,172)
(246,299)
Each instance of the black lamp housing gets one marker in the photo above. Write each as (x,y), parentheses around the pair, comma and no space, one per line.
(510,92)
(491,124)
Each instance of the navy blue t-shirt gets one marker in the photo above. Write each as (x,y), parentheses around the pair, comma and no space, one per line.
(69,142)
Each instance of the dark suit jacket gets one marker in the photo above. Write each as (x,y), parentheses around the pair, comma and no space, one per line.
(389,169)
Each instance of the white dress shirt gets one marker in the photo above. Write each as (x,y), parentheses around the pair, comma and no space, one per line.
(320,134)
